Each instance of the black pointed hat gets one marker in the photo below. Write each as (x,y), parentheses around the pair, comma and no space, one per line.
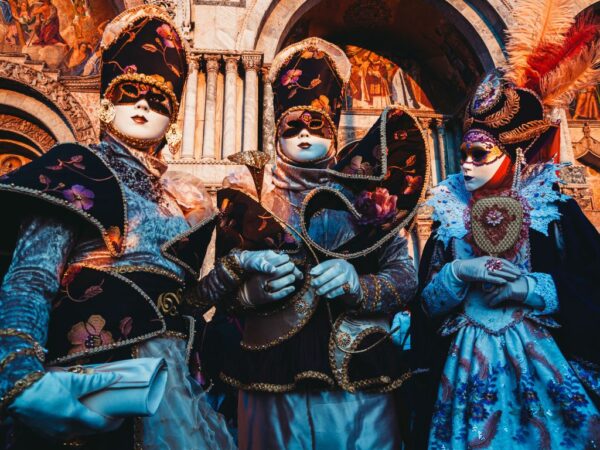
(143,45)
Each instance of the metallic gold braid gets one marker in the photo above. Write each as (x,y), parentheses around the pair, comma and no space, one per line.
(324,113)
(506,113)
(232,266)
(377,286)
(18,388)
(524,132)
(393,290)
(39,351)
(18,354)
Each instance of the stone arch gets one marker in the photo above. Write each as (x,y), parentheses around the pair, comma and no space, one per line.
(268,21)
(64,116)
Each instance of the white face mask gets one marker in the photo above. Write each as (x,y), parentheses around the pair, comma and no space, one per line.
(305,147)
(138,121)
(478,175)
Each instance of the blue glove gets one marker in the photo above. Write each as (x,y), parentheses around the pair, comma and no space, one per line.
(485,269)
(262,261)
(401,335)
(334,278)
(263,288)
(51,405)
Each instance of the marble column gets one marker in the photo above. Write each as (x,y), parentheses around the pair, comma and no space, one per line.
(229,112)
(210,110)
(433,158)
(251,65)
(441,140)
(268,125)
(189,118)
(566,146)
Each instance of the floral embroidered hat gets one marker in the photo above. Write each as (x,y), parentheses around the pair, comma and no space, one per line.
(142,46)
(508,117)
(308,80)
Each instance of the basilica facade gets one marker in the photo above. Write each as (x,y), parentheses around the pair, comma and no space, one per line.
(425,55)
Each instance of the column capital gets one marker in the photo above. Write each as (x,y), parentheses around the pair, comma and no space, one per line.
(252,61)
(194,63)
(425,122)
(231,63)
(440,124)
(212,62)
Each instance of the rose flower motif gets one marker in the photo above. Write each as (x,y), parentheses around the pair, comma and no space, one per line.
(79,196)
(169,37)
(89,335)
(494,217)
(376,207)
(290,77)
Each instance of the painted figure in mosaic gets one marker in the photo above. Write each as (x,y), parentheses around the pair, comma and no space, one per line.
(104,242)
(310,257)
(510,276)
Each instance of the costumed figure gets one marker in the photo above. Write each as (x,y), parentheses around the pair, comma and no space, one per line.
(510,274)
(104,243)
(314,276)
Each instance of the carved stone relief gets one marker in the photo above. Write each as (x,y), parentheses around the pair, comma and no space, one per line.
(56,93)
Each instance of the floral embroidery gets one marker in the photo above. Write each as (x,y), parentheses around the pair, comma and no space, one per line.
(357,167)
(376,207)
(169,37)
(125,326)
(89,335)
(80,196)
(290,77)
(321,103)
(413,184)
(132,68)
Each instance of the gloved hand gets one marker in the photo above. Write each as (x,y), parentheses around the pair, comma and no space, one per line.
(262,261)
(516,290)
(334,278)
(266,288)
(485,269)
(400,337)
(51,405)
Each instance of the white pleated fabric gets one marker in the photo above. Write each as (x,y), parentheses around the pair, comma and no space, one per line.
(184,420)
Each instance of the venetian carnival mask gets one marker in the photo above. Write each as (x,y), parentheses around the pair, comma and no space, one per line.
(141,111)
(305,136)
(480,159)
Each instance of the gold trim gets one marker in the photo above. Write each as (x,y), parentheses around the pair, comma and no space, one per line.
(36,193)
(125,342)
(505,114)
(342,374)
(146,79)
(278,388)
(39,351)
(27,351)
(164,249)
(305,313)
(336,56)
(312,109)
(18,388)
(528,130)
(393,290)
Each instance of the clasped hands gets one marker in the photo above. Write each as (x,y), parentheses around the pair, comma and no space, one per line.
(505,278)
(275,276)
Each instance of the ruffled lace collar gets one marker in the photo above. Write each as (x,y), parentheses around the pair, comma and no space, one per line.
(450,200)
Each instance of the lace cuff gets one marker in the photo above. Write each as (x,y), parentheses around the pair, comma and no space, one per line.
(543,291)
(444,292)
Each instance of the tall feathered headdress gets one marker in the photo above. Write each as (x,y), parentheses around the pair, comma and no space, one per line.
(551,52)
(551,56)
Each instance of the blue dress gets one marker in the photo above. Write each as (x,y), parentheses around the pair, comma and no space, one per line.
(505,382)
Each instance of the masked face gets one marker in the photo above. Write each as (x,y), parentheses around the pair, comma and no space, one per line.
(480,159)
(305,136)
(141,112)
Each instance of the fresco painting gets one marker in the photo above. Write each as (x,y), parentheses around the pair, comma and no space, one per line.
(586,105)
(64,34)
(377,82)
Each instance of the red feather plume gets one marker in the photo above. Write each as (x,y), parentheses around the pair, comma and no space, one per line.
(548,56)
